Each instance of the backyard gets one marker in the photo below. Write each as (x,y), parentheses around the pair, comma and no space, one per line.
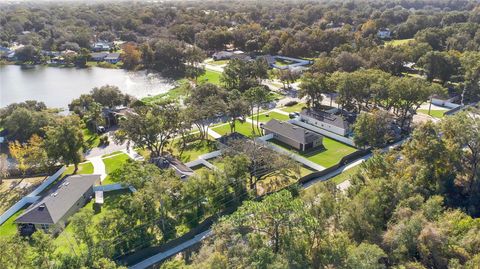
(210,76)
(265,117)
(244,128)
(434,113)
(333,152)
(65,240)
(83,168)
(295,108)
(9,228)
(192,149)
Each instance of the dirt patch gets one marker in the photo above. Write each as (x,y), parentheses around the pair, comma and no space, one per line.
(12,190)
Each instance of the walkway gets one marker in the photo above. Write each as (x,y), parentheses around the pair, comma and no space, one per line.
(98,167)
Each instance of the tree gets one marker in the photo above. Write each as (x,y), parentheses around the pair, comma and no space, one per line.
(365,256)
(439,65)
(205,103)
(313,86)
(43,249)
(110,96)
(258,96)
(237,109)
(132,56)
(27,53)
(150,127)
(22,123)
(194,56)
(243,75)
(372,129)
(29,155)
(349,62)
(64,141)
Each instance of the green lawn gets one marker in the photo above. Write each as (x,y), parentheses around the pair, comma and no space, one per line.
(173,94)
(243,128)
(192,150)
(345,175)
(399,42)
(295,108)
(65,240)
(331,155)
(91,139)
(210,76)
(83,168)
(220,62)
(112,164)
(265,117)
(434,113)
(8,228)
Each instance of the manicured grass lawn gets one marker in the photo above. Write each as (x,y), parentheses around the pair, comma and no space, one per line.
(91,139)
(112,164)
(243,128)
(65,240)
(83,168)
(331,155)
(274,96)
(220,62)
(192,150)
(265,117)
(8,228)
(434,113)
(210,76)
(399,42)
(296,108)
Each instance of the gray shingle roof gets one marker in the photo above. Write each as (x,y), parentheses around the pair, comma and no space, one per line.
(112,56)
(52,207)
(291,131)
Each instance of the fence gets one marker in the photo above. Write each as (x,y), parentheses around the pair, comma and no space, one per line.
(32,197)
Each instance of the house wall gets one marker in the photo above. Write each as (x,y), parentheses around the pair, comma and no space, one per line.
(323,125)
(285,140)
(324,132)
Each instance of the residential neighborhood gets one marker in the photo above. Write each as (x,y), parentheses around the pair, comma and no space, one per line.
(220,134)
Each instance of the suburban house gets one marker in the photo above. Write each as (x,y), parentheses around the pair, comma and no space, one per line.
(169,162)
(222,55)
(112,58)
(98,56)
(446,101)
(51,213)
(384,33)
(292,135)
(335,121)
(101,46)
(113,115)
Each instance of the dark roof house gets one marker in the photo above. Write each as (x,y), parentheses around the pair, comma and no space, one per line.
(167,161)
(112,58)
(292,135)
(54,209)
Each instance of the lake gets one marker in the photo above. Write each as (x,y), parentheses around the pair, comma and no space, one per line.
(56,87)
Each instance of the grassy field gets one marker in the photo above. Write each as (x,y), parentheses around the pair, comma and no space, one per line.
(113,163)
(346,175)
(8,228)
(243,128)
(173,94)
(398,42)
(65,241)
(334,151)
(210,76)
(192,150)
(434,113)
(91,139)
(83,168)
(296,108)
(265,117)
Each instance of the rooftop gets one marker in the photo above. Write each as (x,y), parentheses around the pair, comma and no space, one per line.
(340,119)
(291,131)
(52,207)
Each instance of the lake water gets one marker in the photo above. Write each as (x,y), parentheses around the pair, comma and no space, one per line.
(56,87)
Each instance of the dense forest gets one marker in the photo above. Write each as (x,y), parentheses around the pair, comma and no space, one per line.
(417,206)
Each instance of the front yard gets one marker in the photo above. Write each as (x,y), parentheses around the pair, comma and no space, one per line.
(333,152)
(265,117)
(112,163)
(243,128)
(295,108)
(434,113)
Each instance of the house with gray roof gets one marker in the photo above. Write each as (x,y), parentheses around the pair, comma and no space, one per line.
(112,58)
(338,121)
(51,213)
(295,136)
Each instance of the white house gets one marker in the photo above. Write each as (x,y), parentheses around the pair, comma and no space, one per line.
(384,33)
(337,123)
